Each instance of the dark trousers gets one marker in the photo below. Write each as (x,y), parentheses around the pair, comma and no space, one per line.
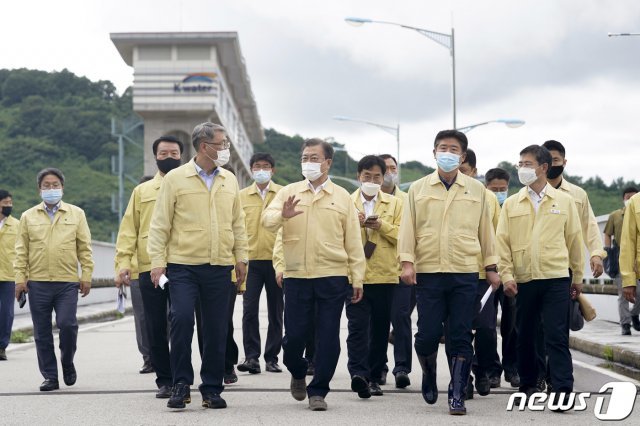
(155,302)
(310,347)
(404,301)
(306,298)
(231,350)
(368,338)
(261,274)
(446,297)
(142,335)
(44,298)
(486,339)
(508,333)
(7,303)
(549,298)
(210,285)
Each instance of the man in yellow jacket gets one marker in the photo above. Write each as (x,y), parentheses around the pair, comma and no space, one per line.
(630,249)
(369,320)
(446,225)
(197,232)
(132,245)
(322,248)
(255,198)
(485,339)
(404,297)
(53,238)
(8,233)
(539,241)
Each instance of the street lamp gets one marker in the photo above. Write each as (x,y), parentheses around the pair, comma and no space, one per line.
(395,131)
(623,34)
(509,122)
(444,40)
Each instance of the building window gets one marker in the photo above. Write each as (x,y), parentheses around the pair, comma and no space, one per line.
(154,53)
(194,53)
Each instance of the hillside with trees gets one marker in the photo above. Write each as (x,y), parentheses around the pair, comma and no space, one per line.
(57,119)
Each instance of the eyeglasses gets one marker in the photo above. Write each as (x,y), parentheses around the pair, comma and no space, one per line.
(220,146)
(256,168)
(51,186)
(312,159)
(526,165)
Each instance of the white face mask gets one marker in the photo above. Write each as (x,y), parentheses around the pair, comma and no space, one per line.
(390,179)
(311,171)
(223,157)
(370,189)
(527,176)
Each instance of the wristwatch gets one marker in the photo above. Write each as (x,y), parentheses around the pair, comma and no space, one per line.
(491,269)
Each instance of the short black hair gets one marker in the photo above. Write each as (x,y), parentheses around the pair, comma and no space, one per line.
(326,146)
(4,194)
(496,173)
(455,134)
(387,156)
(166,138)
(144,179)
(370,161)
(627,190)
(49,171)
(542,154)
(552,145)
(470,158)
(262,156)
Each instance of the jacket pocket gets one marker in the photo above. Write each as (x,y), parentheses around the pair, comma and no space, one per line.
(190,243)
(427,247)
(466,248)
(520,260)
(294,253)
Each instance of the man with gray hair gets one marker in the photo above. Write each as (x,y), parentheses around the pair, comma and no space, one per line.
(197,231)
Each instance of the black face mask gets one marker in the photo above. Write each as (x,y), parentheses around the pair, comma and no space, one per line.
(168,164)
(6,211)
(555,171)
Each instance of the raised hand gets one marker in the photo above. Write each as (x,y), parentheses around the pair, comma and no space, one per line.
(289,208)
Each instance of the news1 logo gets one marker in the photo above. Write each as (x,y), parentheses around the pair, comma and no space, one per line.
(621,401)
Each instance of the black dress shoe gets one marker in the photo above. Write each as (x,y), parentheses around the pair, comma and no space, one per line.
(273,367)
(69,375)
(180,396)
(230,377)
(374,389)
(483,385)
(515,380)
(146,368)
(383,378)
(626,329)
(164,392)
(311,369)
(360,385)
(495,382)
(402,380)
(213,400)
(49,385)
(635,321)
(250,365)
(3,354)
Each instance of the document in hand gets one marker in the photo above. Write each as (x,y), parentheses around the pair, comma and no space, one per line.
(485,297)
(163,281)
(120,299)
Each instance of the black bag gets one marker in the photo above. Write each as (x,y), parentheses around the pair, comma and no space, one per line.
(612,261)
(576,320)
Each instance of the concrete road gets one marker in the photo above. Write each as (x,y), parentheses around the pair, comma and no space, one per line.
(110,391)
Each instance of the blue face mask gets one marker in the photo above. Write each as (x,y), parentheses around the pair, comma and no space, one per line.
(447,162)
(502,196)
(51,196)
(262,176)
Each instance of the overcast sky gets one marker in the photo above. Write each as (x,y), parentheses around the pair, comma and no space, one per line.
(548,62)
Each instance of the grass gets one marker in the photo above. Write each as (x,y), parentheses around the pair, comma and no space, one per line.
(20,337)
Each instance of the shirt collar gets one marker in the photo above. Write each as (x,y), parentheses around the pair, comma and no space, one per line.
(542,193)
(53,209)
(364,200)
(320,188)
(203,173)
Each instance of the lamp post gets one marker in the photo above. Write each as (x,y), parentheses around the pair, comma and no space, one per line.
(444,40)
(395,131)
(509,122)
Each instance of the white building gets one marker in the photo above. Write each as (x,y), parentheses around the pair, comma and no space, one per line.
(183,79)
